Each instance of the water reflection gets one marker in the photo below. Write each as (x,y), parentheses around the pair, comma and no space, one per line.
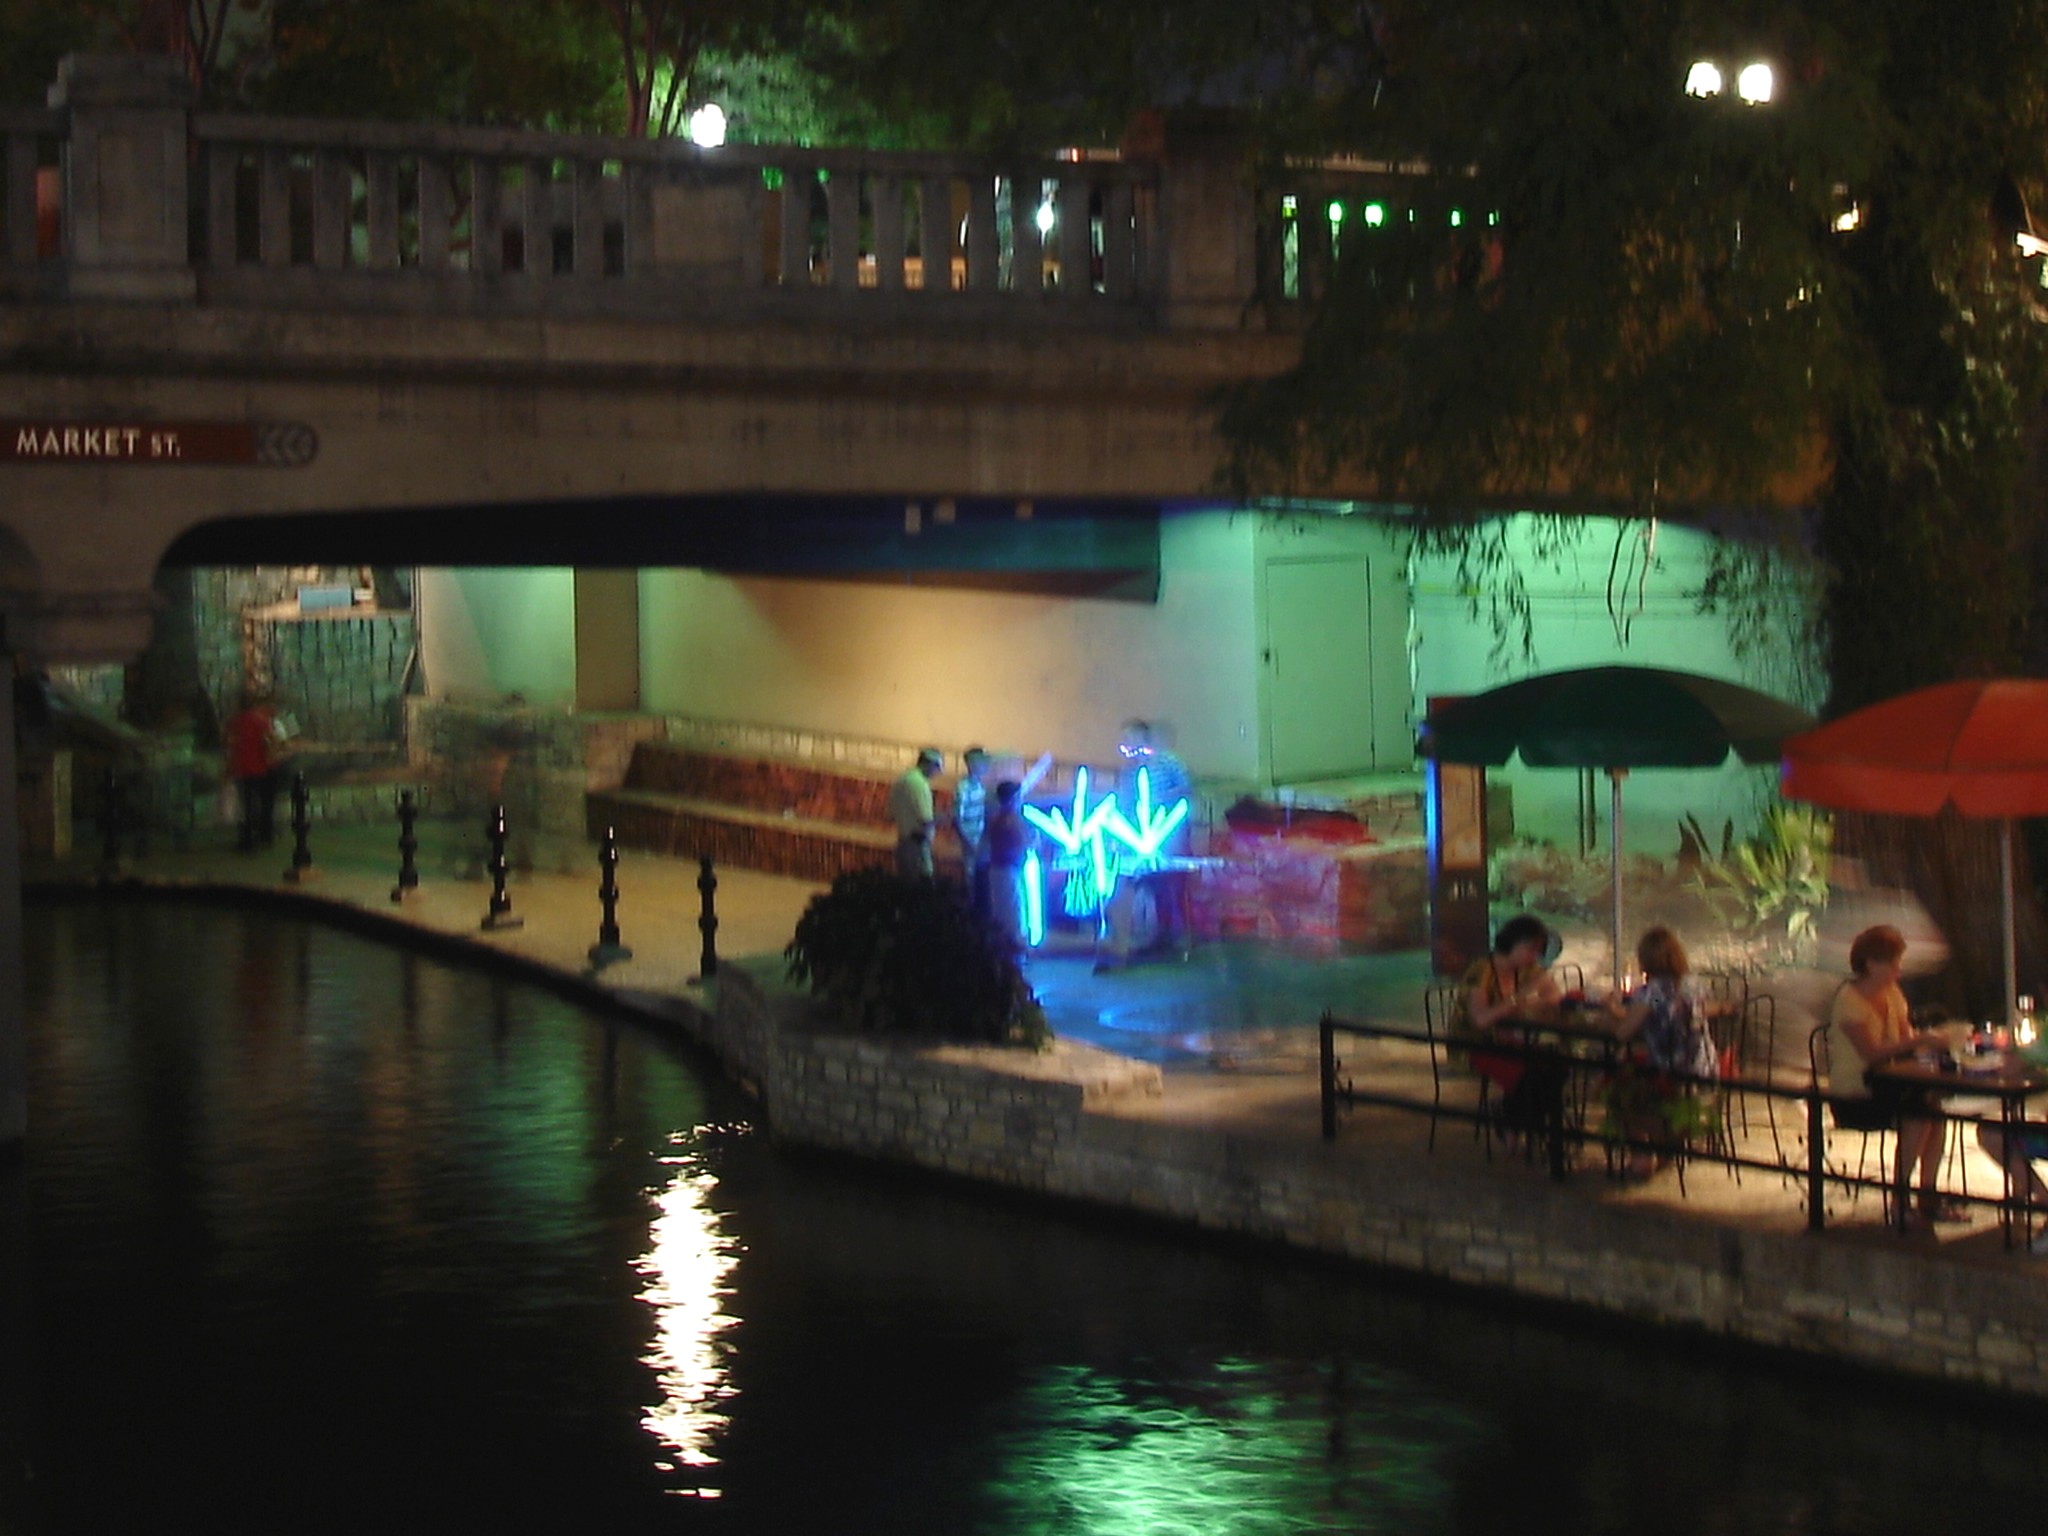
(687,1272)
(1240,1447)
(403,1249)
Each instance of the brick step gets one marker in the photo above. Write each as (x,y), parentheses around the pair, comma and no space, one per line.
(805,847)
(806,791)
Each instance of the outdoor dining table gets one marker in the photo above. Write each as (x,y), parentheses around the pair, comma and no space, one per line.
(1570,1026)
(2011,1083)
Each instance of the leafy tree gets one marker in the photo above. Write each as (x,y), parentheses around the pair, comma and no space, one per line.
(1687,304)
(527,63)
(34,35)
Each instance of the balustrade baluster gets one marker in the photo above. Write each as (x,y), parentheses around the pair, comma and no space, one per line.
(223,173)
(1312,253)
(935,232)
(797,184)
(842,212)
(333,186)
(984,251)
(888,198)
(381,170)
(1076,238)
(1027,244)
(637,231)
(537,242)
(274,208)
(587,219)
(486,215)
(1119,245)
(434,219)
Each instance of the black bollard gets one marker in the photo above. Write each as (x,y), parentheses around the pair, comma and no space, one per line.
(608,948)
(500,916)
(408,845)
(110,827)
(707,923)
(302,827)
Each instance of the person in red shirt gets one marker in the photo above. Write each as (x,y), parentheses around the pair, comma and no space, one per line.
(251,738)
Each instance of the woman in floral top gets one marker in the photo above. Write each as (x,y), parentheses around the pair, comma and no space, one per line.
(1668,1014)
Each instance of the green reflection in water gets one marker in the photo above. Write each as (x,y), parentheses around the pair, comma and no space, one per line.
(1244,1450)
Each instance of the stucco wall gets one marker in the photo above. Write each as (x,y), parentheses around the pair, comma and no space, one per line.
(1654,621)
(488,633)
(1017,672)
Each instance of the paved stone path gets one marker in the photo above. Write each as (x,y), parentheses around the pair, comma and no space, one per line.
(1233,1029)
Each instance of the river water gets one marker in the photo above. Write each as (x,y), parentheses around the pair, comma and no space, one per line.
(328,1236)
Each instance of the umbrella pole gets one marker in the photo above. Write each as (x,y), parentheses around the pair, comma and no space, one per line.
(2011,958)
(1614,778)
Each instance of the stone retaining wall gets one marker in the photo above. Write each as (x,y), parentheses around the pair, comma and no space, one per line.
(1049,1124)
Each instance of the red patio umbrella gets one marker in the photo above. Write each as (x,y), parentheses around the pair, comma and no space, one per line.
(1980,746)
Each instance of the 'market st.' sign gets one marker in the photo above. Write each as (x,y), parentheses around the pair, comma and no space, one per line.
(162,443)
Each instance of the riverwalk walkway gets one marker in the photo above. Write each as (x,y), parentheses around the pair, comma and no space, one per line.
(1217,1124)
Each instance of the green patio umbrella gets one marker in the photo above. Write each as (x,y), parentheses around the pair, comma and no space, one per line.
(1613,719)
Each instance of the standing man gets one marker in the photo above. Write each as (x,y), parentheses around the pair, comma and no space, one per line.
(970,825)
(251,737)
(1166,781)
(910,808)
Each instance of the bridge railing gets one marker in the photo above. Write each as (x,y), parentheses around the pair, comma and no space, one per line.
(121,192)
(322,210)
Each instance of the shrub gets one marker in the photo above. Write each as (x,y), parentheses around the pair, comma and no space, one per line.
(892,955)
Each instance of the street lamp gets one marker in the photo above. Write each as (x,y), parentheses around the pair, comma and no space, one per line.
(1754,83)
(707,126)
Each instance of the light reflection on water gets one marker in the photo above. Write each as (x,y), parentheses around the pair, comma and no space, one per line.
(688,1269)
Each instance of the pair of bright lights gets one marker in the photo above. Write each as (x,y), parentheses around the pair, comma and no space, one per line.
(1755,83)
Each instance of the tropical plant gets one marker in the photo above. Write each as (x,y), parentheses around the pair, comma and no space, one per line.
(894,955)
(1777,879)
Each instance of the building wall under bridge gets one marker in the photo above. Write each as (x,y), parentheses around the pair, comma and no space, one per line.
(1025,672)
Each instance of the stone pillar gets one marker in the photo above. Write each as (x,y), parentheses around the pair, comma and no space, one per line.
(13,1032)
(1208,226)
(125,177)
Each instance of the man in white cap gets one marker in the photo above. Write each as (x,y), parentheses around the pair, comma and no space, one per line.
(910,808)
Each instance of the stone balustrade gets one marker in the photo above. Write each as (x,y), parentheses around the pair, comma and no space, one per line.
(119,191)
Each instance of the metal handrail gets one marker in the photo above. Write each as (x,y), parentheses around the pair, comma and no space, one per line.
(1338,1092)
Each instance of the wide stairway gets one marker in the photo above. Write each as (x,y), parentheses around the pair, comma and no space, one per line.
(776,815)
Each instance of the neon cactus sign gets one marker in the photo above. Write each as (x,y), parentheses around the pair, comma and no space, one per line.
(1092,865)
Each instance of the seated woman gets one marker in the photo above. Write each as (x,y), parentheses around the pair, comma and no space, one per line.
(1870,1013)
(1669,1015)
(1511,983)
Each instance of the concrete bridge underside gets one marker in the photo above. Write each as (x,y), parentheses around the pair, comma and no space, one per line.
(537,415)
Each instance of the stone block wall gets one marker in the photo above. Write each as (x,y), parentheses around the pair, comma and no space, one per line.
(1057,1125)
(342,677)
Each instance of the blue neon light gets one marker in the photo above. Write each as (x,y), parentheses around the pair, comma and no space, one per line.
(1071,834)
(1034,900)
(1154,826)
(1092,866)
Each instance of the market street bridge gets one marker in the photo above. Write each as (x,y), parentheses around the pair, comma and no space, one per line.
(230,339)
